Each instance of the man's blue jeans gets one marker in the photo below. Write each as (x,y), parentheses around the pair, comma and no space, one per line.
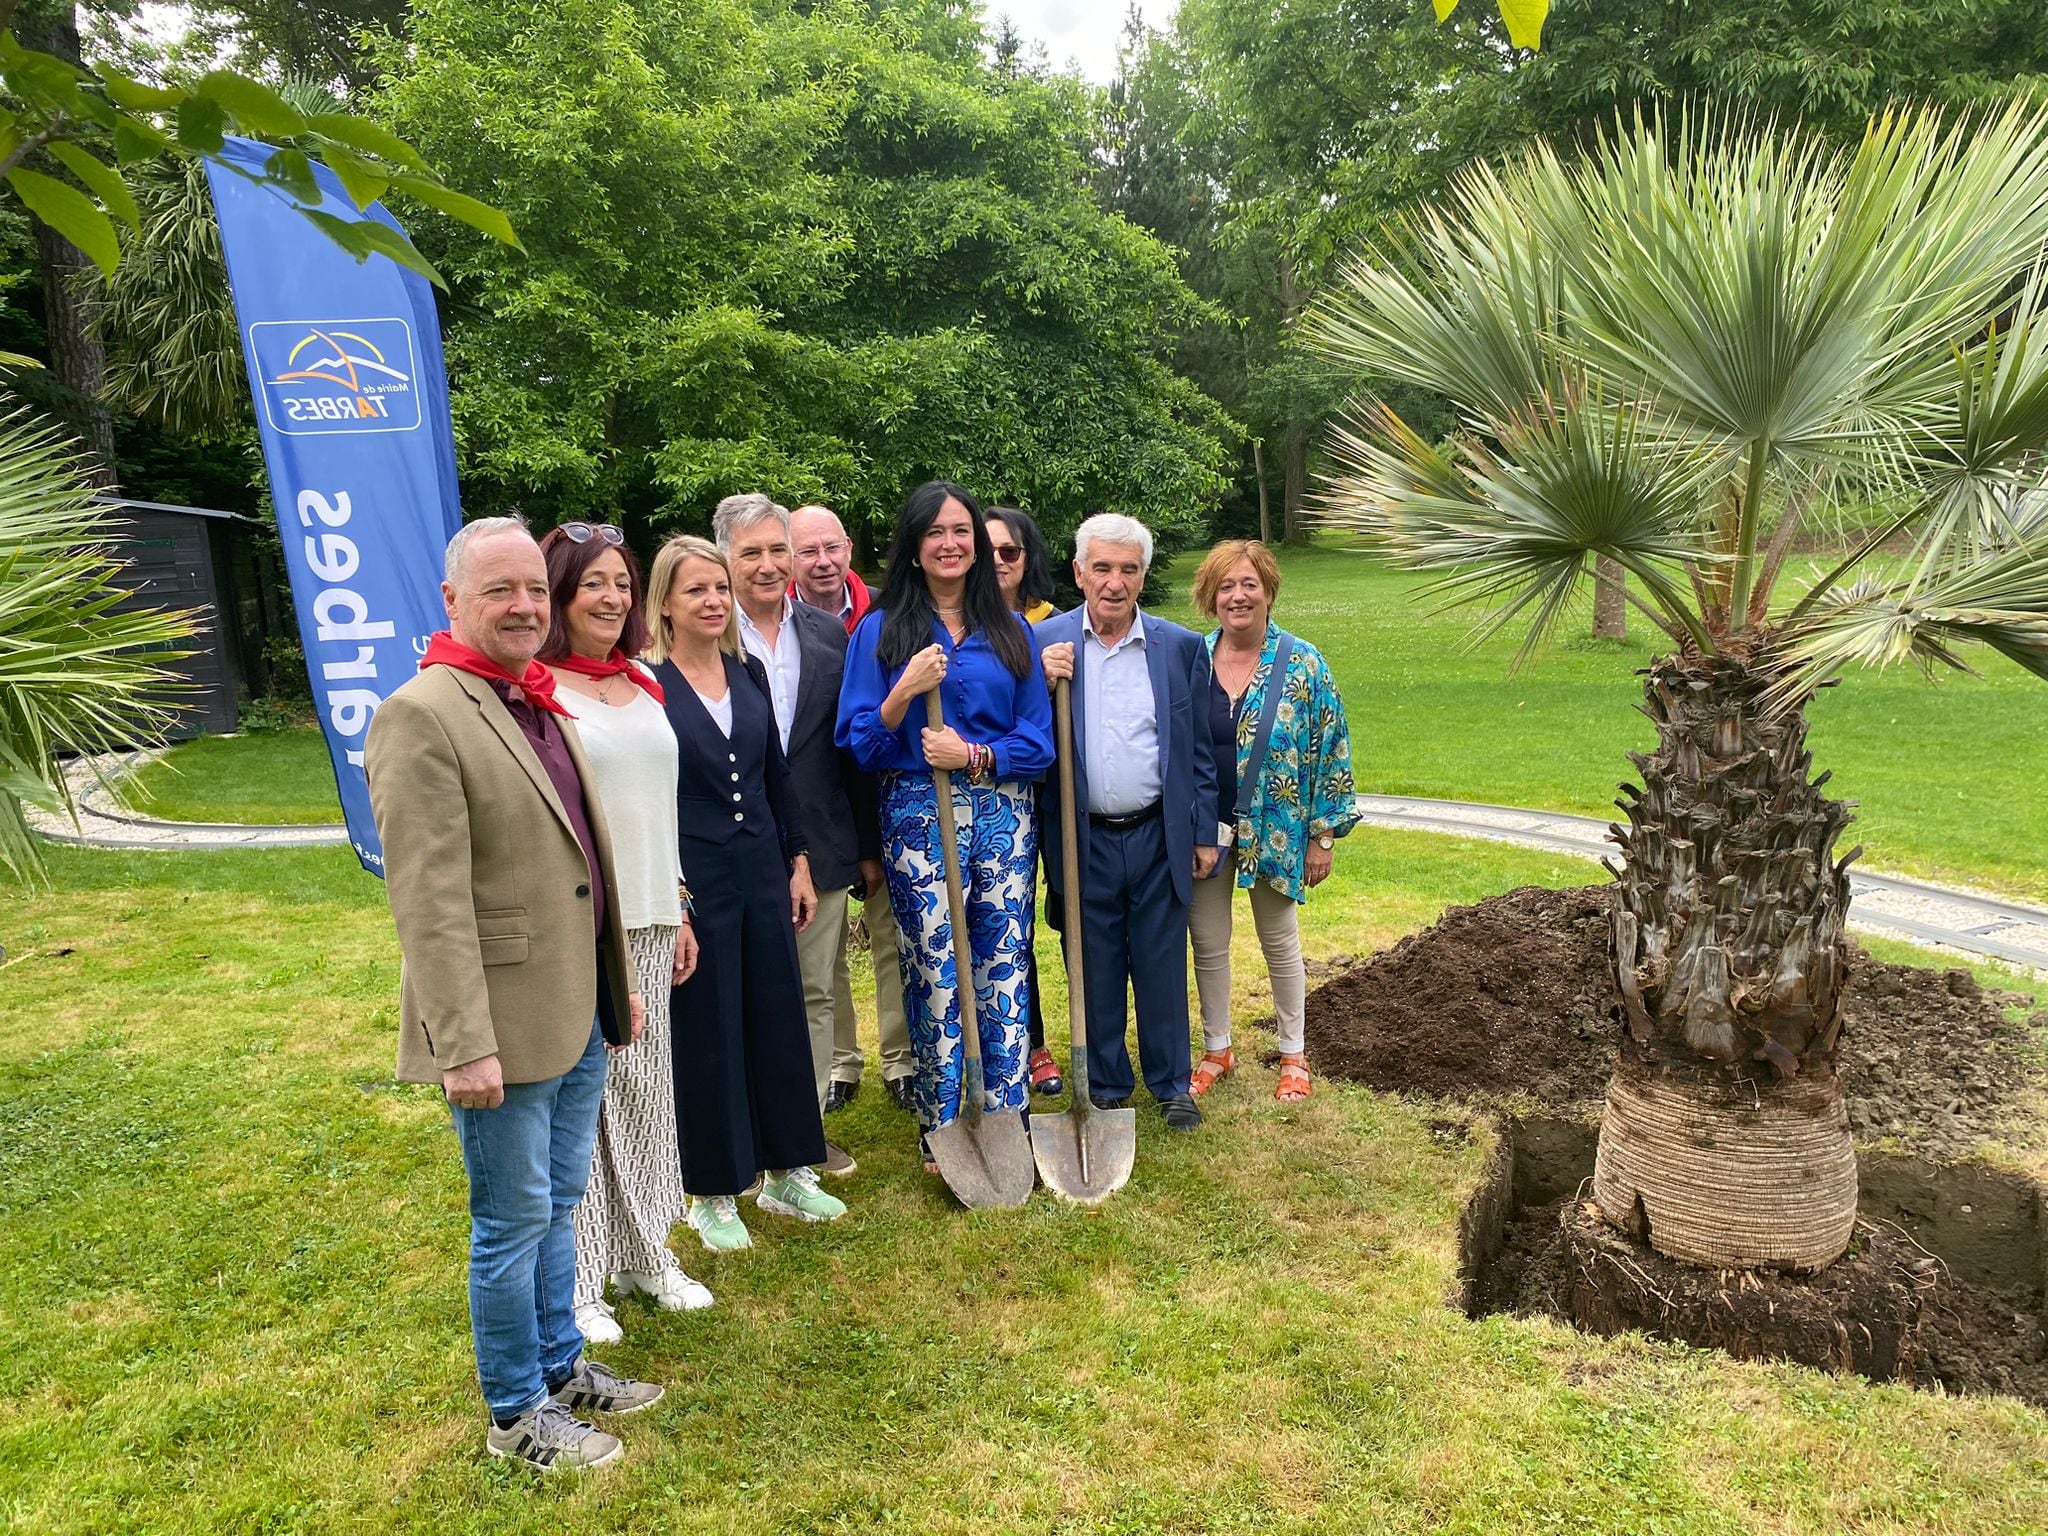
(529,1163)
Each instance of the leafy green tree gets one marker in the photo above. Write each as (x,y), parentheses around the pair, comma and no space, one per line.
(819,250)
(1672,354)
(1828,63)
(1262,141)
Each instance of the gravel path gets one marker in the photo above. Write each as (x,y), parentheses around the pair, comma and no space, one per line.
(104,822)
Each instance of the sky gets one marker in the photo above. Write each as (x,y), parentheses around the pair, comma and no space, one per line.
(1081,30)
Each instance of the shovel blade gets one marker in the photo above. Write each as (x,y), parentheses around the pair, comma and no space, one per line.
(1085,1155)
(984,1159)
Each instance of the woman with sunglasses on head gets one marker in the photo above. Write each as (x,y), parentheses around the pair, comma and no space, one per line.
(941,622)
(1024,571)
(635,1196)
(746,1099)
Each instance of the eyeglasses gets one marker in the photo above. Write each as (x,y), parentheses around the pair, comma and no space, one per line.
(834,550)
(1009,554)
(583,533)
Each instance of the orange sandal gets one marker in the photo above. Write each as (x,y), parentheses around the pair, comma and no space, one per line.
(1214,1066)
(1294,1078)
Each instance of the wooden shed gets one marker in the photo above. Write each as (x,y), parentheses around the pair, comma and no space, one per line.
(203,559)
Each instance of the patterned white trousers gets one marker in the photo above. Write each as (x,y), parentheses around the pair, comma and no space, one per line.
(636,1173)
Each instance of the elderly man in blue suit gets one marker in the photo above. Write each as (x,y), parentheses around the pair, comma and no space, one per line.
(1145,783)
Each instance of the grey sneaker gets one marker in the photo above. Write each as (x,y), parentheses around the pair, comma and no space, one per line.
(553,1439)
(597,1388)
(838,1162)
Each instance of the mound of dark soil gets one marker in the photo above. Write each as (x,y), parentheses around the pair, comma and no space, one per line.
(1514,997)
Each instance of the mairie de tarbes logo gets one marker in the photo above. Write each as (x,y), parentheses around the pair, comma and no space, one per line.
(324,377)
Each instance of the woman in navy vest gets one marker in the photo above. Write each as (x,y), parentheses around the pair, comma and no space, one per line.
(745,1100)
(942,622)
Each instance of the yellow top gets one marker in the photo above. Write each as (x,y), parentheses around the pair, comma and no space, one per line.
(1038,613)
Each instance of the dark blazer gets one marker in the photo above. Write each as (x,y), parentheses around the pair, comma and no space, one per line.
(730,788)
(830,789)
(1179,664)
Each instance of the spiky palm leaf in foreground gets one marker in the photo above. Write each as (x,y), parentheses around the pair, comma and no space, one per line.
(76,673)
(1673,352)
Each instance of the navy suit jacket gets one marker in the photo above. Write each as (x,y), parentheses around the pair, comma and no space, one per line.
(1179,664)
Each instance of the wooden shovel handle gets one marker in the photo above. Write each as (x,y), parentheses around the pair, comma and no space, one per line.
(956,908)
(1070,864)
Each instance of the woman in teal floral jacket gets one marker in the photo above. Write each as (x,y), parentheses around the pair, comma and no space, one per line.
(1284,797)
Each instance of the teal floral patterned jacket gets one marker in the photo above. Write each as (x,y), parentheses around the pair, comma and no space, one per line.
(1305,787)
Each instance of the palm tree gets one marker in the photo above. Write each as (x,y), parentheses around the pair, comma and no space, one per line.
(1676,353)
(79,670)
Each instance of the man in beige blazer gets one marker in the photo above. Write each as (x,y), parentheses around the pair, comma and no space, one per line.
(515,978)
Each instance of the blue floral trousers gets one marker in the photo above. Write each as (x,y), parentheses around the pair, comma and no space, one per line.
(998,835)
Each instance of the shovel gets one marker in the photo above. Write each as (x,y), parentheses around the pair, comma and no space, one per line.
(985,1159)
(1084,1154)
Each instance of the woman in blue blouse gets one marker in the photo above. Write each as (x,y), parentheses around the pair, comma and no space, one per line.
(942,621)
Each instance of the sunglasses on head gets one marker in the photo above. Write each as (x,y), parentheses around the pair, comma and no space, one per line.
(583,533)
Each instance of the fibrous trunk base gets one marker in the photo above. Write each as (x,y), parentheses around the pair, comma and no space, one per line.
(1728,1174)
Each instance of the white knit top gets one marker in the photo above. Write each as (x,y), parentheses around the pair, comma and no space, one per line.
(632,756)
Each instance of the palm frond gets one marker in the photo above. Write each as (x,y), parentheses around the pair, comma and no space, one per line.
(2001,601)
(1570,480)
(1779,323)
(80,672)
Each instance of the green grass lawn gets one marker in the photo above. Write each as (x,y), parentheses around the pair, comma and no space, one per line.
(267,777)
(231,1292)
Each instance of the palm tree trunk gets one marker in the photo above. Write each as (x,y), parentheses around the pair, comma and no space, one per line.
(1610,601)
(1294,460)
(1726,1141)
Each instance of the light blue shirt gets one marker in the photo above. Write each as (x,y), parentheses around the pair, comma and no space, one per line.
(785,664)
(1119,721)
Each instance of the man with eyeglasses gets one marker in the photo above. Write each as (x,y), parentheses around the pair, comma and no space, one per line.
(824,566)
(825,579)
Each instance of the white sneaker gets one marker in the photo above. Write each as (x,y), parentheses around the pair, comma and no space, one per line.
(595,1322)
(669,1289)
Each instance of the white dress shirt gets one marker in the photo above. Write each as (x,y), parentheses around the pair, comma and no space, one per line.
(785,664)
(1119,721)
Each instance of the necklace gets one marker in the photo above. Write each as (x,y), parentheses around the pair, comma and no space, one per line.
(603,689)
(1244,680)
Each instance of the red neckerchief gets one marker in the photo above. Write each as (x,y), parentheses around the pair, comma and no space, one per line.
(538,684)
(614,665)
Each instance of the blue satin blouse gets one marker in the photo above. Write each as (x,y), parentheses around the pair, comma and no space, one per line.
(983,702)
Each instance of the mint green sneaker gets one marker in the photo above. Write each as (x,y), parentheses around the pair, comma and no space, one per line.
(717,1222)
(796,1193)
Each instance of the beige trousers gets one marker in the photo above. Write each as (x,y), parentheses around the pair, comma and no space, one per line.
(891,1027)
(1279,930)
(828,992)
(821,956)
